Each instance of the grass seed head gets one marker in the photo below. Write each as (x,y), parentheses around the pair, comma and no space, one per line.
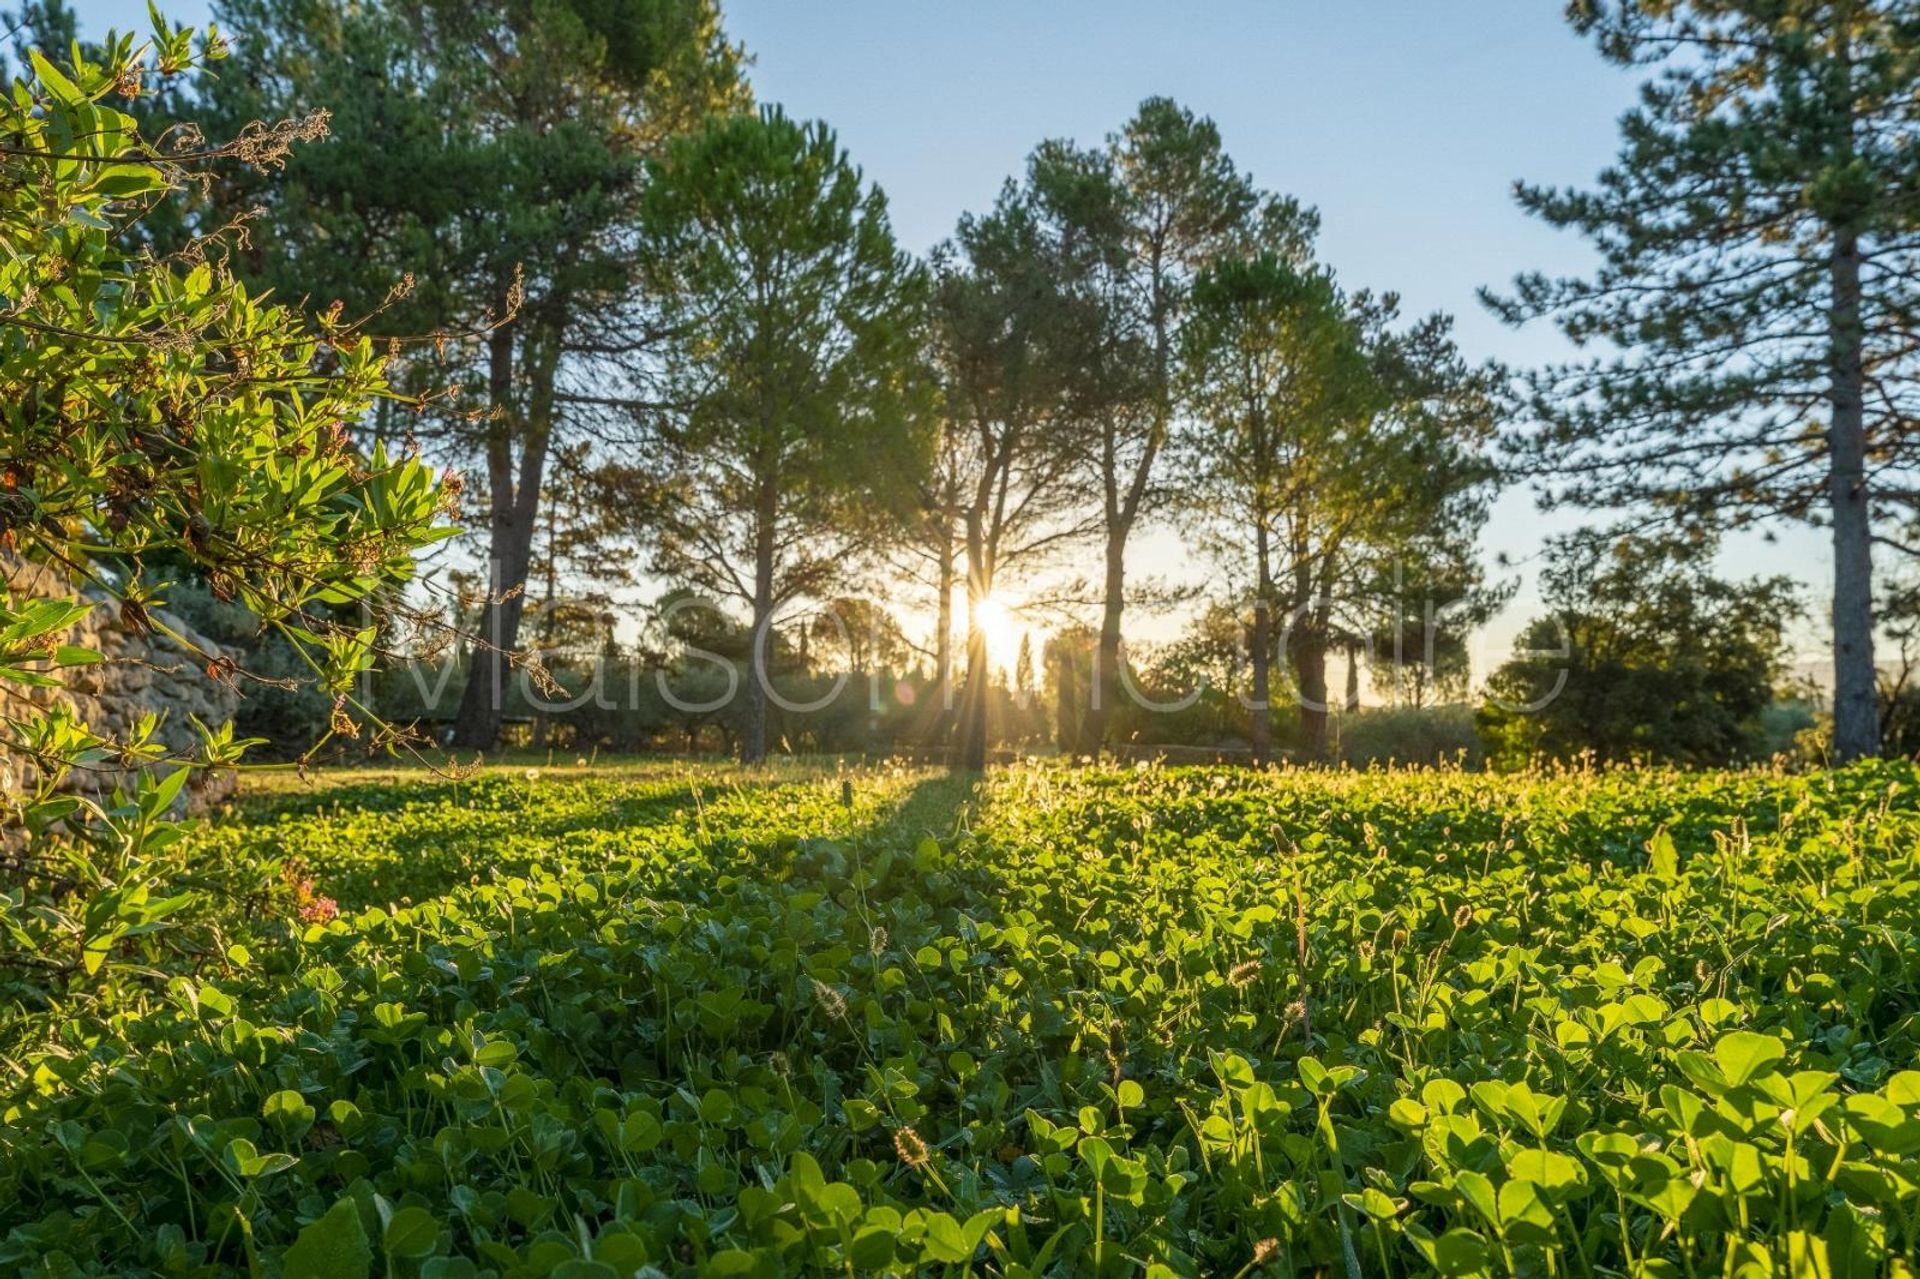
(912,1148)
(831,1001)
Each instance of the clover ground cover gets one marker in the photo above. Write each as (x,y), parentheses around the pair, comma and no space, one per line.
(672,1020)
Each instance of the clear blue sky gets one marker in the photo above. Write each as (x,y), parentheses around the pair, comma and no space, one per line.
(1404,121)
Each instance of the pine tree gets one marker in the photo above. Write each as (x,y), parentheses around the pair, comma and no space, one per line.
(1137,220)
(488,153)
(1004,334)
(1331,453)
(791,369)
(1758,246)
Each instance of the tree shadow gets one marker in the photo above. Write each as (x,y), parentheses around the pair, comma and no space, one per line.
(432,833)
(938,807)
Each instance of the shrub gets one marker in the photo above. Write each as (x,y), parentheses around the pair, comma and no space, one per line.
(154,414)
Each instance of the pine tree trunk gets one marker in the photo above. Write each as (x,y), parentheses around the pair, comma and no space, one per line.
(1260,653)
(1104,688)
(1260,648)
(512,504)
(973,710)
(541,715)
(1856,706)
(1310,675)
(972,755)
(753,729)
(943,648)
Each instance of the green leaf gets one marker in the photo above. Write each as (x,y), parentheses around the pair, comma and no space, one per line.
(1662,857)
(412,1232)
(580,1269)
(334,1247)
(872,1248)
(290,1112)
(498,1053)
(63,90)
(944,1241)
(1374,1203)
(1743,1055)
(128,181)
(448,1268)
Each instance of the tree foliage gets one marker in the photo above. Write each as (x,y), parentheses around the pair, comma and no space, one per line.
(1004,328)
(1136,221)
(490,154)
(1334,459)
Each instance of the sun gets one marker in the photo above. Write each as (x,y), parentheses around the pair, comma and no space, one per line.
(999,625)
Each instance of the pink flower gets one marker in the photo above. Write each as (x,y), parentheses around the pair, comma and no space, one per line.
(318,910)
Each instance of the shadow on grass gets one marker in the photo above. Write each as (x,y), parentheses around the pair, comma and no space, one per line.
(429,835)
(939,807)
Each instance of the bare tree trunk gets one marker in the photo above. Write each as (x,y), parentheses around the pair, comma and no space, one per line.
(1856,706)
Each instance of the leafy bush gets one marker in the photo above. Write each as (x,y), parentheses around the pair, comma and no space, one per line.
(154,413)
(1411,735)
(1645,654)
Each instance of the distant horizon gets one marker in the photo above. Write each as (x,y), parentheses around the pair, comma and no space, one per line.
(1411,171)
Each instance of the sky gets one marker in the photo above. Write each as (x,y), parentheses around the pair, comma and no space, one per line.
(1405,122)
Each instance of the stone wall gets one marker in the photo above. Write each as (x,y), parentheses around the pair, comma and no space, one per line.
(143,673)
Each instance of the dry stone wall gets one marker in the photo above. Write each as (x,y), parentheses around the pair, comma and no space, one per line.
(143,673)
